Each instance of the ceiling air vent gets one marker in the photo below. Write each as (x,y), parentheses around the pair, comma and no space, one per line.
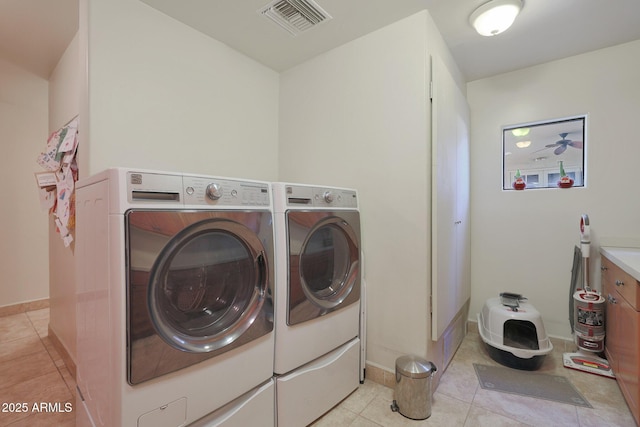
(295,16)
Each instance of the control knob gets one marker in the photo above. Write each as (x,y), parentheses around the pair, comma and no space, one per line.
(214,191)
(328,196)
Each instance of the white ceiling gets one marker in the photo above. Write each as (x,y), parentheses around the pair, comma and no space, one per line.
(34,33)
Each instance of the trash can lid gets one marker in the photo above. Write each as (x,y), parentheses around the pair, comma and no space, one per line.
(414,367)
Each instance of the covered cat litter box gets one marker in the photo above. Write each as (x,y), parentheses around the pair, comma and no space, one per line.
(513,331)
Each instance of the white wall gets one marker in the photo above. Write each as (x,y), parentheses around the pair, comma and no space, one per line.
(23,225)
(523,241)
(164,96)
(64,105)
(159,96)
(64,89)
(358,116)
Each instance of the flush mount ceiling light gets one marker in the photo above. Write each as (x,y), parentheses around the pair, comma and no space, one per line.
(523,144)
(495,16)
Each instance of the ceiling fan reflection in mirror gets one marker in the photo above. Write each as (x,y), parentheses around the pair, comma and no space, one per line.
(563,144)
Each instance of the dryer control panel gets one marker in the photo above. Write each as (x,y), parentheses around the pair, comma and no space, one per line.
(320,197)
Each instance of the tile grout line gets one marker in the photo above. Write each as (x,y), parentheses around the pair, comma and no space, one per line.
(471,405)
(53,362)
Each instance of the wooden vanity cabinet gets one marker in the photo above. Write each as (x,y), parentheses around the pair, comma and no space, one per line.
(622,345)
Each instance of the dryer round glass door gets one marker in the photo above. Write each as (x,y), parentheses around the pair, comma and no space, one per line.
(327,263)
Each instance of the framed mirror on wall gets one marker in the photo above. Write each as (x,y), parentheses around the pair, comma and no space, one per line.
(548,154)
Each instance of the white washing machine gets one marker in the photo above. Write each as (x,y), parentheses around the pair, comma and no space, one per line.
(318,288)
(175,311)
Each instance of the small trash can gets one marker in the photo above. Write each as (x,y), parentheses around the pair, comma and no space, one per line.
(413,387)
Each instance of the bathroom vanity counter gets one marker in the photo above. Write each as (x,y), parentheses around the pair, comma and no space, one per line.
(628,259)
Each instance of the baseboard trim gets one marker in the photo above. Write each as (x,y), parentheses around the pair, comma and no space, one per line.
(380,375)
(64,354)
(23,307)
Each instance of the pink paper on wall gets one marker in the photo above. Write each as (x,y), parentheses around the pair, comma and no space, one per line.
(59,157)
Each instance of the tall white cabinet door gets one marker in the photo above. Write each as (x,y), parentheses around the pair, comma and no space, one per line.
(463,214)
(450,284)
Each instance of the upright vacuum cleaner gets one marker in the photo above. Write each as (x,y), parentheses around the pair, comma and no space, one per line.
(586,314)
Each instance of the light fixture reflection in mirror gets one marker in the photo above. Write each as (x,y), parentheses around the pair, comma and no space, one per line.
(536,150)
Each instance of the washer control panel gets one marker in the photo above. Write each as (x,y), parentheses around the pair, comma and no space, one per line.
(175,189)
(224,192)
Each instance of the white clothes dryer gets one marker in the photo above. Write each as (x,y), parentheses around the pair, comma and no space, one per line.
(318,288)
(174,299)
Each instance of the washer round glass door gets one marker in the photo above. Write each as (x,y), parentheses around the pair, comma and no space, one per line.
(327,263)
(207,285)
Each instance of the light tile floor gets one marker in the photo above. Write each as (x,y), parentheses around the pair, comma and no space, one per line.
(35,385)
(32,372)
(459,401)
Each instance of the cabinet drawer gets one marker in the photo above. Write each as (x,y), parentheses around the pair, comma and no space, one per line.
(625,284)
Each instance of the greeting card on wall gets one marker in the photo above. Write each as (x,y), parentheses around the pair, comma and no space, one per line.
(57,184)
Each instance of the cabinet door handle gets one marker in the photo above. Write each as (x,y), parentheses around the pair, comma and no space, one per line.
(611,299)
(619,283)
